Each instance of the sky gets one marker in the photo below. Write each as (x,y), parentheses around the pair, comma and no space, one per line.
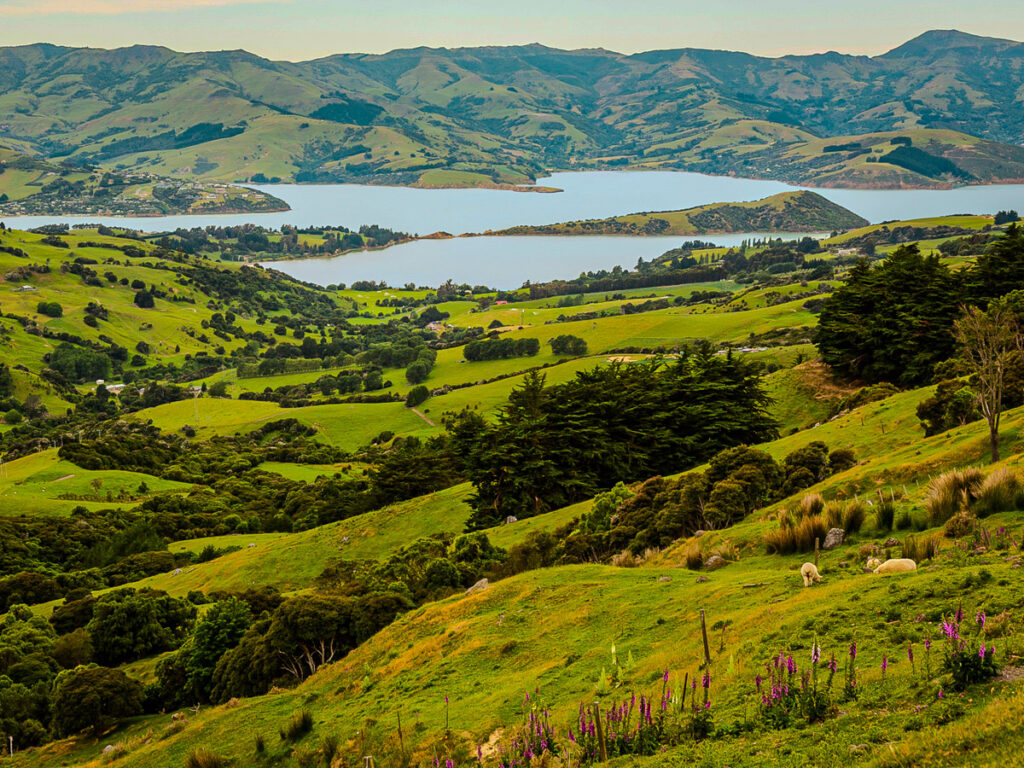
(304,29)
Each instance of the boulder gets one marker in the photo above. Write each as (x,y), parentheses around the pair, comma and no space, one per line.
(715,562)
(665,578)
(480,586)
(892,541)
(833,538)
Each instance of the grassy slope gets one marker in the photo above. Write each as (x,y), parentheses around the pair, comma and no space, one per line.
(785,212)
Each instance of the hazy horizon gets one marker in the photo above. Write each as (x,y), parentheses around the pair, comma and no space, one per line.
(298,30)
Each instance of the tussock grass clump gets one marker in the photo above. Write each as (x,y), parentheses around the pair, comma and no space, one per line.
(885,513)
(796,537)
(694,557)
(951,492)
(810,505)
(921,549)
(834,514)
(904,520)
(1001,491)
(854,515)
(298,726)
(260,744)
(727,551)
(202,758)
(329,745)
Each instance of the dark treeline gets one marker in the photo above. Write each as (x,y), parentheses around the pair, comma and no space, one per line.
(553,446)
(893,321)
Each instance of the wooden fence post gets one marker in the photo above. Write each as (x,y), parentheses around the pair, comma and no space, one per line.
(704,633)
(602,747)
(817,541)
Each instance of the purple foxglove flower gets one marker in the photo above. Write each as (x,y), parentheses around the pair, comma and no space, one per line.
(665,676)
(885,662)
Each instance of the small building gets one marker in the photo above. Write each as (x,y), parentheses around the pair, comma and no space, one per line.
(25,289)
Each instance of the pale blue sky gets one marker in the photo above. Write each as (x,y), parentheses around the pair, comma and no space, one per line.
(303,29)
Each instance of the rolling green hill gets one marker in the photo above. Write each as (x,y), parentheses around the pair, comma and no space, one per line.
(257,492)
(786,212)
(29,185)
(502,116)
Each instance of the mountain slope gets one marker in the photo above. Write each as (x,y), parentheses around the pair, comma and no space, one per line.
(497,116)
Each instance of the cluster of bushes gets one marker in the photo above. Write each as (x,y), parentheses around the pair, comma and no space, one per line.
(500,349)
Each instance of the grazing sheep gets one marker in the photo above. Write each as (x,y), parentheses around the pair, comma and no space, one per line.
(810,573)
(872,563)
(898,565)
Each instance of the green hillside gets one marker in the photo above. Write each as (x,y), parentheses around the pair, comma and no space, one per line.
(786,212)
(263,536)
(32,186)
(500,117)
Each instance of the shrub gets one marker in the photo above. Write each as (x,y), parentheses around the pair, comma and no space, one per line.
(202,758)
(884,514)
(920,550)
(950,492)
(853,516)
(298,726)
(1001,491)
(13,417)
(50,309)
(959,525)
(417,395)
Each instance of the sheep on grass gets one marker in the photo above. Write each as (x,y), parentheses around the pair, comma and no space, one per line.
(810,574)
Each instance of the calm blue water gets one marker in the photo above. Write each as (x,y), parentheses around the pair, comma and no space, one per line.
(498,262)
(585,195)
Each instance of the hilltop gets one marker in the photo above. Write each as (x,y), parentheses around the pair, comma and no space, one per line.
(503,116)
(799,211)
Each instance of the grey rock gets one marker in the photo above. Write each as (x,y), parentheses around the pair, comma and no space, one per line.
(892,541)
(701,579)
(665,578)
(715,562)
(833,538)
(480,586)
(698,534)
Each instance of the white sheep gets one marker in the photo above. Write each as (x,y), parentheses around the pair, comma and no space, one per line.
(809,571)
(898,565)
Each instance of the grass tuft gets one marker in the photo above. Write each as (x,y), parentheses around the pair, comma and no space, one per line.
(854,515)
(202,758)
(298,726)
(1001,491)
(921,549)
(799,537)
(952,491)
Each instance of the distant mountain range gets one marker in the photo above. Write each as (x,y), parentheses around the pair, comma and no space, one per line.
(944,108)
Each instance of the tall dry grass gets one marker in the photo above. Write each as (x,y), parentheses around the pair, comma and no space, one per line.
(792,537)
(921,549)
(952,491)
(1001,491)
